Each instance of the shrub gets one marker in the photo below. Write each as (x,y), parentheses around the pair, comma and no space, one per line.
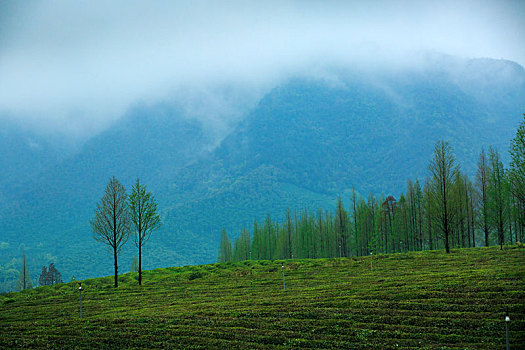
(194,275)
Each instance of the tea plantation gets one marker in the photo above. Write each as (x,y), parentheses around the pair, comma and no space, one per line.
(424,300)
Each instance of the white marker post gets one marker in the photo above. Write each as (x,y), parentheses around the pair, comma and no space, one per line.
(80,290)
(284,284)
(371,265)
(507,320)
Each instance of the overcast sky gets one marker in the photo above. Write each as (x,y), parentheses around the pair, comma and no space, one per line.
(75,66)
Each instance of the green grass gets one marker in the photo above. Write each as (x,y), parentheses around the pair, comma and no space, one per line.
(415,300)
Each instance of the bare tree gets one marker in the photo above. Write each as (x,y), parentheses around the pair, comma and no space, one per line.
(144,218)
(443,169)
(111,222)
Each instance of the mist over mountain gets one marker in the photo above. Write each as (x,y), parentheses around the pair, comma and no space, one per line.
(303,143)
(78,67)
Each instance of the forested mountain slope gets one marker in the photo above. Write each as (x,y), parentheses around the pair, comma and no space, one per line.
(307,141)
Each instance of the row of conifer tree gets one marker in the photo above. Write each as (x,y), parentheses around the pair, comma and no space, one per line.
(448,210)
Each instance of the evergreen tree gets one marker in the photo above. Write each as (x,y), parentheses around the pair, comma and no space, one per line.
(225,248)
(267,238)
(340,225)
(321,232)
(54,276)
(242,246)
(412,214)
(50,276)
(256,242)
(516,177)
(43,279)
(288,250)
(356,232)
(24,278)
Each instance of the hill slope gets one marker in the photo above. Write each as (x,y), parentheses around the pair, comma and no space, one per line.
(310,140)
(307,141)
(424,300)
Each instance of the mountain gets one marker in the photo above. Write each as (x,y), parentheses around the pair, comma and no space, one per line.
(24,155)
(307,141)
(50,218)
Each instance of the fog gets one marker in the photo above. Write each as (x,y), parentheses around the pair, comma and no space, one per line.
(75,67)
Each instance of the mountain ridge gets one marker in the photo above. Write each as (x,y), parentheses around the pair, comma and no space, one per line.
(307,141)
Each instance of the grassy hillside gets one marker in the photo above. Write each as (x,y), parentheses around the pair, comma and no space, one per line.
(413,300)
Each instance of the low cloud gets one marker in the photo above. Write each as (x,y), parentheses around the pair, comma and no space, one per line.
(77,66)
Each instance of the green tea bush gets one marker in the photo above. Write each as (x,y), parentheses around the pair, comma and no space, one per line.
(425,300)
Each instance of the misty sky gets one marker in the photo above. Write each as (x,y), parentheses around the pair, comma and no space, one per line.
(75,66)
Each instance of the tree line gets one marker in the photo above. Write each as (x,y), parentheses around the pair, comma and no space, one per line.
(448,210)
(48,277)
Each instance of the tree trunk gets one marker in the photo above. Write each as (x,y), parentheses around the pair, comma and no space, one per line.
(445,213)
(467,214)
(140,263)
(472,222)
(25,267)
(485,227)
(500,228)
(116,266)
(430,243)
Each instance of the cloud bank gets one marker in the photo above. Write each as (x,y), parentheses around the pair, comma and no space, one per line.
(77,66)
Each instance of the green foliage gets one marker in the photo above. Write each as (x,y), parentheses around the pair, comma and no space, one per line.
(428,300)
(446,207)
(497,196)
(242,247)
(134,264)
(517,163)
(143,213)
(225,248)
(9,275)
(143,217)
